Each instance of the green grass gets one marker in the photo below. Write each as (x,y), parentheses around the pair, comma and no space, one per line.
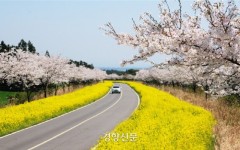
(3,97)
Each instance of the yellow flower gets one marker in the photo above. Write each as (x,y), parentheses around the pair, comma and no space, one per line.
(21,116)
(162,121)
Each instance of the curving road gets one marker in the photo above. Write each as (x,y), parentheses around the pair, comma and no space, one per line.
(77,130)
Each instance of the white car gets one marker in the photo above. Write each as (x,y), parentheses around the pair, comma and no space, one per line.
(116,89)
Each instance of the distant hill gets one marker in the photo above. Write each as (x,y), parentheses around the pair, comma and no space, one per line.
(120,71)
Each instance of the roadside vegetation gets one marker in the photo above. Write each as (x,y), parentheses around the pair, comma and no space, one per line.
(14,118)
(4,97)
(225,110)
(162,121)
(203,46)
(25,71)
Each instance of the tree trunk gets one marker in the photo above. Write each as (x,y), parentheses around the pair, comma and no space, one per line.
(206,96)
(63,88)
(206,88)
(46,91)
(28,92)
(56,89)
(69,87)
(173,85)
(194,87)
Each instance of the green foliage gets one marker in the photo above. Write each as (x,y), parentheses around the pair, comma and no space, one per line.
(81,63)
(120,72)
(25,46)
(20,98)
(131,71)
(30,47)
(22,45)
(8,97)
(47,53)
(232,100)
(4,97)
(4,47)
(113,71)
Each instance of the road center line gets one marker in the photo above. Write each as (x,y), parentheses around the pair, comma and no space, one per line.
(82,107)
(77,124)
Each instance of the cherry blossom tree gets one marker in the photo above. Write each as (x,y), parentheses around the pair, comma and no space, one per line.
(4,66)
(114,76)
(54,71)
(207,39)
(29,71)
(23,70)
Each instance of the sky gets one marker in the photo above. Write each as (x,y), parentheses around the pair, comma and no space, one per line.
(70,28)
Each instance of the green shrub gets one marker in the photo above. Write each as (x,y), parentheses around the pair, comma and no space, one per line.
(232,100)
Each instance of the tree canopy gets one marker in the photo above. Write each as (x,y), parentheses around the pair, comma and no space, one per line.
(205,43)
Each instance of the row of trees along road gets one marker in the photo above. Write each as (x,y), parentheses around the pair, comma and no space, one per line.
(22,68)
(205,44)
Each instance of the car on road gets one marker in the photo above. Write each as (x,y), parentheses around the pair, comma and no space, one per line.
(116,89)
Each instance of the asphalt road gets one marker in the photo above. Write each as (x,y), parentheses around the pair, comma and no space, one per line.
(77,130)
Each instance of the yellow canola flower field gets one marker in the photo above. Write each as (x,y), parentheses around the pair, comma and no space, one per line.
(162,122)
(14,118)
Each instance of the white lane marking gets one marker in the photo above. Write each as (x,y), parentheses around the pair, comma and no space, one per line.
(77,124)
(137,97)
(95,147)
(135,94)
(56,117)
